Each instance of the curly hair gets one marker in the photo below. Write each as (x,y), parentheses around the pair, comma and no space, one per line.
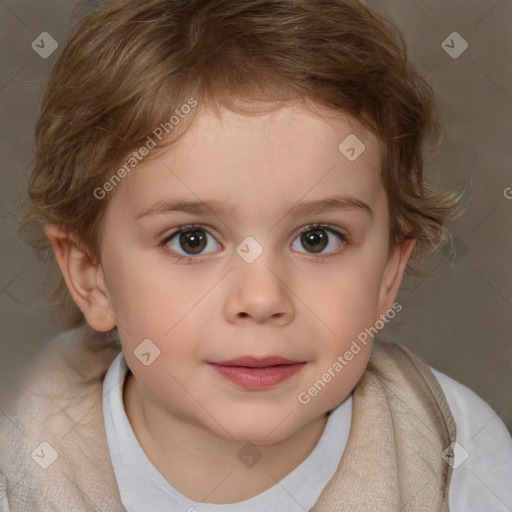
(130,65)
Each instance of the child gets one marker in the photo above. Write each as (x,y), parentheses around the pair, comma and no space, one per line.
(233,191)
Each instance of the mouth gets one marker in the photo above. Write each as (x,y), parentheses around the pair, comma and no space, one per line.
(254,373)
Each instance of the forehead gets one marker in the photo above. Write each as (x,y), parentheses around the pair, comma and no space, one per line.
(258,163)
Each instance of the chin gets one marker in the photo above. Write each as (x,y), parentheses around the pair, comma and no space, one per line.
(261,438)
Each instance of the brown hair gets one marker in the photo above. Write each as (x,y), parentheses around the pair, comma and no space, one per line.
(131,65)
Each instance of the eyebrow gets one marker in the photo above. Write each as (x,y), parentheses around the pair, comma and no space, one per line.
(300,209)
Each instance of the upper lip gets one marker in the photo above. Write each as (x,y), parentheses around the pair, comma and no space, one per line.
(256,362)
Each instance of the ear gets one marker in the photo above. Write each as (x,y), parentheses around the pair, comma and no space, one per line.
(393,274)
(84,278)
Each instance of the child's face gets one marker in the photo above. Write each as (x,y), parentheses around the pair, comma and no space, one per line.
(303,299)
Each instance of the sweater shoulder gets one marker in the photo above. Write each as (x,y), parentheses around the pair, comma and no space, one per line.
(56,420)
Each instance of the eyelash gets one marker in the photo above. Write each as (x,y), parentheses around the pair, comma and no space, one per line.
(192,227)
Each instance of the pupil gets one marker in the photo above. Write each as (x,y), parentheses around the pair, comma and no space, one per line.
(317,239)
(195,240)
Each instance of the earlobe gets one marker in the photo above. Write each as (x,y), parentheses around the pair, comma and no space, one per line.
(84,278)
(393,274)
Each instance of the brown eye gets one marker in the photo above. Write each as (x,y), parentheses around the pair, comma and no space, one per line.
(316,239)
(191,241)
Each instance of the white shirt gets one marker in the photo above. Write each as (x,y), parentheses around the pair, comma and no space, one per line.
(481,481)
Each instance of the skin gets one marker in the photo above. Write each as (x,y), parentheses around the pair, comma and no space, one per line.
(289,302)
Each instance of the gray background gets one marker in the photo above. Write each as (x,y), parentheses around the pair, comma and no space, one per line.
(458,319)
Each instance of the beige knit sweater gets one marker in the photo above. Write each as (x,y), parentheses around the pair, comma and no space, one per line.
(401,424)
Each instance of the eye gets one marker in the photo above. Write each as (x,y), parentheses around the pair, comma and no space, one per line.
(316,238)
(189,241)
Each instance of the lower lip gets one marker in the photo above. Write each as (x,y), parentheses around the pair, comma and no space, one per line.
(258,378)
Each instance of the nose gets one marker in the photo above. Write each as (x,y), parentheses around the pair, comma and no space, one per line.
(259,295)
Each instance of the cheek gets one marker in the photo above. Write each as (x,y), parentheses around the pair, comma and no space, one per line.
(151,304)
(334,379)
(349,302)
(147,297)
(348,306)
(174,354)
